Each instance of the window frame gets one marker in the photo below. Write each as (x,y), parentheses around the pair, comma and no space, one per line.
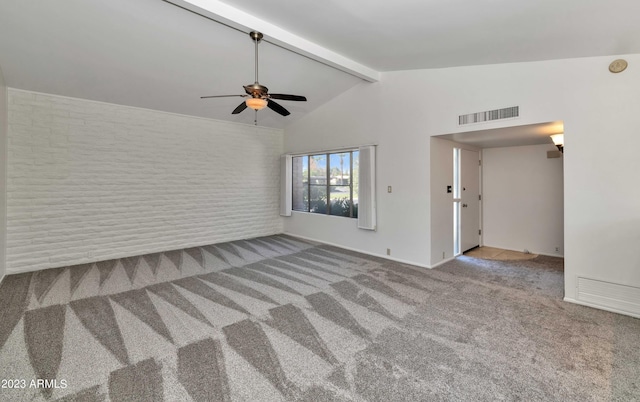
(327,185)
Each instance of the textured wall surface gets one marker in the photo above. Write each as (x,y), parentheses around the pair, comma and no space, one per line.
(89,181)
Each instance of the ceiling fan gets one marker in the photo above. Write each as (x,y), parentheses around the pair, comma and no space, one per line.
(258,95)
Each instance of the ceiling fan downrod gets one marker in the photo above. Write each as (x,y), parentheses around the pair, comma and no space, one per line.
(257,37)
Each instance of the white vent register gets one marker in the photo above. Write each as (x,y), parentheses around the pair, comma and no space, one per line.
(498,114)
(612,295)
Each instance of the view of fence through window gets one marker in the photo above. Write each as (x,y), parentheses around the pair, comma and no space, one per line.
(326,183)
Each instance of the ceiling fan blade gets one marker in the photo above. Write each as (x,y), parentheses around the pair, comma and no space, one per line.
(298,98)
(220,96)
(240,108)
(277,108)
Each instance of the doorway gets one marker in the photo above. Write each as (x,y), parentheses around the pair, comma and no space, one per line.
(466,200)
(505,185)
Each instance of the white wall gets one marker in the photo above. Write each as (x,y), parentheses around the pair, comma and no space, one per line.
(403,215)
(89,181)
(3,174)
(401,112)
(523,199)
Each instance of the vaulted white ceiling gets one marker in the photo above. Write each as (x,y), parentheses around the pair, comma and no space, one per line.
(414,34)
(153,54)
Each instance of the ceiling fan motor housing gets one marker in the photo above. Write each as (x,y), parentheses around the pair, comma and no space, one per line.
(256,90)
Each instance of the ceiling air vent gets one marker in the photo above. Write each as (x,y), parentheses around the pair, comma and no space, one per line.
(506,113)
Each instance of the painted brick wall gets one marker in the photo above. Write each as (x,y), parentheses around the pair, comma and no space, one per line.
(89,181)
(3,171)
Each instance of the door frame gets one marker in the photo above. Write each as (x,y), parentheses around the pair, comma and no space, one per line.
(441,197)
(458,177)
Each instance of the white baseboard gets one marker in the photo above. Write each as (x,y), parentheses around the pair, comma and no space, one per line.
(552,255)
(520,251)
(386,257)
(442,262)
(600,307)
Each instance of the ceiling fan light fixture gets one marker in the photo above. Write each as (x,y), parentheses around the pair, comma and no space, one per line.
(256,103)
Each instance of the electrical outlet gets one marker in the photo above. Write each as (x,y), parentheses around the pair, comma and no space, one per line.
(443,255)
(557,249)
(388,251)
(388,189)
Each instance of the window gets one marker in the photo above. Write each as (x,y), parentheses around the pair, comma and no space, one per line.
(326,183)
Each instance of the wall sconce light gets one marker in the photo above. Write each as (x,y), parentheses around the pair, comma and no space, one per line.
(558,141)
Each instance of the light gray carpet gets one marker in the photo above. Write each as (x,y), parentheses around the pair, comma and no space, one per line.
(277,318)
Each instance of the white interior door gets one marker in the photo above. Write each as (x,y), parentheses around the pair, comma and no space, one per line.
(469,199)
